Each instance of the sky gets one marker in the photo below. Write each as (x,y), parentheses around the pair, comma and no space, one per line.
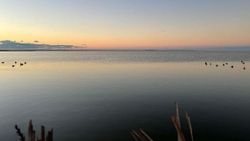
(127,23)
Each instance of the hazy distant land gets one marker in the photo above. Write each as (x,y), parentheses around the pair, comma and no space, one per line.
(8,45)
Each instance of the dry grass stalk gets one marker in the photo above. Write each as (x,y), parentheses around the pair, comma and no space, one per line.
(180,134)
(190,126)
(32,134)
(178,122)
(19,133)
(140,135)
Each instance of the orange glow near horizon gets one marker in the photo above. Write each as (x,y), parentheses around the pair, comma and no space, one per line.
(127,39)
(114,42)
(112,27)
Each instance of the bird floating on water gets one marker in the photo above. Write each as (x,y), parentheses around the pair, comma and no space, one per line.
(242,61)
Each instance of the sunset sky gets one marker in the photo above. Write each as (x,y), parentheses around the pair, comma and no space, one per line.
(127,23)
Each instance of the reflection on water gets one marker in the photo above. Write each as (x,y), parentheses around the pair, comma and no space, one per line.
(103,97)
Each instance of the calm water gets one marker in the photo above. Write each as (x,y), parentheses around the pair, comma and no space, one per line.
(102,96)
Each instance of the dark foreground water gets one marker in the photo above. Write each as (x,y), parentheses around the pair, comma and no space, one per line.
(102,96)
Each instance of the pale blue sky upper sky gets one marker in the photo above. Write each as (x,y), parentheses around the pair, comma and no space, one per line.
(127,23)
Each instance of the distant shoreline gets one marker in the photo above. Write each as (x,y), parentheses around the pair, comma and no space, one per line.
(118,50)
(8,45)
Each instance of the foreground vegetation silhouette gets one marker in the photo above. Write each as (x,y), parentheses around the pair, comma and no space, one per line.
(138,135)
(32,134)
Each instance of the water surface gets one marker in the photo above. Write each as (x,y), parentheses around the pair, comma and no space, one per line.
(103,95)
